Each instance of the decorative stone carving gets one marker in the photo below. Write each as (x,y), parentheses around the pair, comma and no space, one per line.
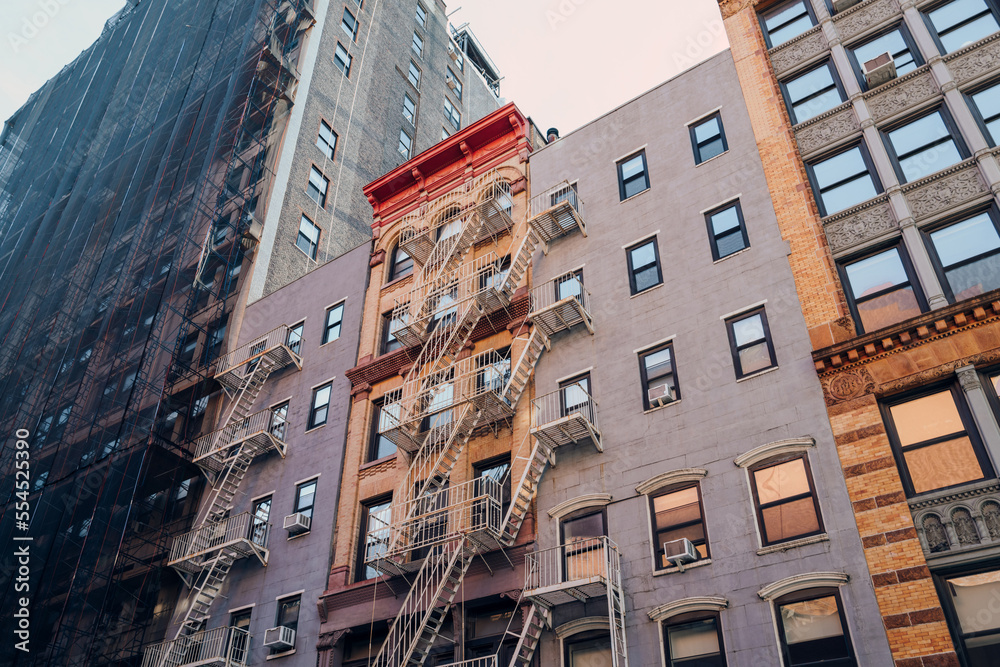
(802,48)
(946,190)
(827,129)
(934,533)
(854,228)
(965,527)
(969,379)
(861,17)
(849,384)
(901,94)
(975,60)
(991,517)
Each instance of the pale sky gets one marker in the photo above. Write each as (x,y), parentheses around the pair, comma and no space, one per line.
(565,62)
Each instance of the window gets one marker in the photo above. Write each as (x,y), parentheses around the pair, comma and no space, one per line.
(935,441)
(305,498)
(454,82)
(498,470)
(342,59)
(574,397)
(318,184)
(375,517)
(259,526)
(708,139)
(389,328)
(677,515)
(409,110)
(924,146)
(334,320)
(279,420)
(966,255)
(727,231)
(402,264)
(439,412)
(785,500)
(320,406)
(287,616)
(659,377)
(294,340)
(881,290)
(632,176)
(813,629)
(405,143)
(786,21)
(570,285)
(589,650)
(644,266)
(750,343)
(896,42)
(456,53)
(843,180)
(444,133)
(961,22)
(308,238)
(414,75)
(691,640)
(452,114)
(421,15)
(810,94)
(985,105)
(581,537)
(350,25)
(966,597)
(240,642)
(383,418)
(493,276)
(417,45)
(216,336)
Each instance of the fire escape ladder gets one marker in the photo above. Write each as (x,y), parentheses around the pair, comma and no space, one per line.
(419,621)
(538,618)
(616,611)
(202,596)
(541,457)
(521,373)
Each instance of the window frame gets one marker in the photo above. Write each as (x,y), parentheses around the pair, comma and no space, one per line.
(313,247)
(360,569)
(642,354)
(417,45)
(327,326)
(735,349)
(409,75)
(759,509)
(713,238)
(346,27)
(837,82)
(991,8)
(804,596)
(911,276)
(696,147)
(940,579)
(331,149)
(687,619)
(814,184)
(454,116)
(904,31)
(311,423)
(457,90)
(298,329)
(394,272)
(591,637)
(409,147)
(964,413)
(580,378)
(621,180)
(421,15)
(992,211)
(633,289)
(301,509)
(953,133)
(374,436)
(384,341)
(762,16)
(297,598)
(665,491)
(977,113)
(411,109)
(346,68)
(320,199)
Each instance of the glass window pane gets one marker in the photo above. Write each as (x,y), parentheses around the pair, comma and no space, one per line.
(926,418)
(839,168)
(707,130)
(969,33)
(876,273)
(635,186)
(678,507)
(817,105)
(888,309)
(809,83)
(643,255)
(988,103)
(945,464)
(919,133)
(755,358)
(951,14)
(784,480)
(322,396)
(693,640)
(658,363)
(847,195)
(632,167)
(591,654)
(892,42)
(646,278)
(972,595)
(732,242)
(711,149)
(930,161)
(965,239)
(789,520)
(748,330)
(793,29)
(811,620)
(793,11)
(975,278)
(583,528)
(725,220)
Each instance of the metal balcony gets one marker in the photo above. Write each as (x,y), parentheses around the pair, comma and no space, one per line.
(260,433)
(561,304)
(566,417)
(281,345)
(241,536)
(472,510)
(573,572)
(557,212)
(429,405)
(221,647)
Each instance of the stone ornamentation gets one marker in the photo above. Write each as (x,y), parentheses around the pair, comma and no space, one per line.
(935,534)
(799,50)
(965,527)
(864,16)
(849,384)
(991,517)
(826,130)
(901,94)
(946,191)
(975,60)
(859,227)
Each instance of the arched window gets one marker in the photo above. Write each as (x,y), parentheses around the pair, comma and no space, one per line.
(401,264)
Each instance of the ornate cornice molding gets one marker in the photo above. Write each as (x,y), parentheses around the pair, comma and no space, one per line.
(771,449)
(579,503)
(801,582)
(585,624)
(662,480)
(687,605)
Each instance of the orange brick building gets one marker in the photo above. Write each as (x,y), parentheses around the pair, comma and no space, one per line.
(884,176)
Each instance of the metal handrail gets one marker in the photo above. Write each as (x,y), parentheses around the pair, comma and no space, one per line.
(488,661)
(570,400)
(577,561)
(220,440)
(547,294)
(564,192)
(469,281)
(214,535)
(472,507)
(228,644)
(255,348)
(488,187)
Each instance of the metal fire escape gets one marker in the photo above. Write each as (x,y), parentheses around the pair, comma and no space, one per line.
(433,528)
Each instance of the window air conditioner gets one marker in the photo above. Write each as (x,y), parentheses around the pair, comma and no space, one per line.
(660,395)
(297,523)
(281,638)
(843,5)
(453,52)
(452,83)
(879,70)
(680,552)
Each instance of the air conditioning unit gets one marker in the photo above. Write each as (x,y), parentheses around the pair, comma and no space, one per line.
(453,52)
(879,70)
(843,5)
(452,83)
(680,552)
(660,395)
(281,638)
(297,523)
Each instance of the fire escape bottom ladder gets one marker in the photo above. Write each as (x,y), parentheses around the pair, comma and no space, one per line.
(531,634)
(616,610)
(202,598)
(541,456)
(525,366)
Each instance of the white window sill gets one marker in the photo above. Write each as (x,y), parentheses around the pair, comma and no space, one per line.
(738,252)
(334,340)
(714,157)
(792,544)
(638,194)
(295,537)
(758,374)
(275,656)
(676,569)
(315,428)
(662,407)
(647,290)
